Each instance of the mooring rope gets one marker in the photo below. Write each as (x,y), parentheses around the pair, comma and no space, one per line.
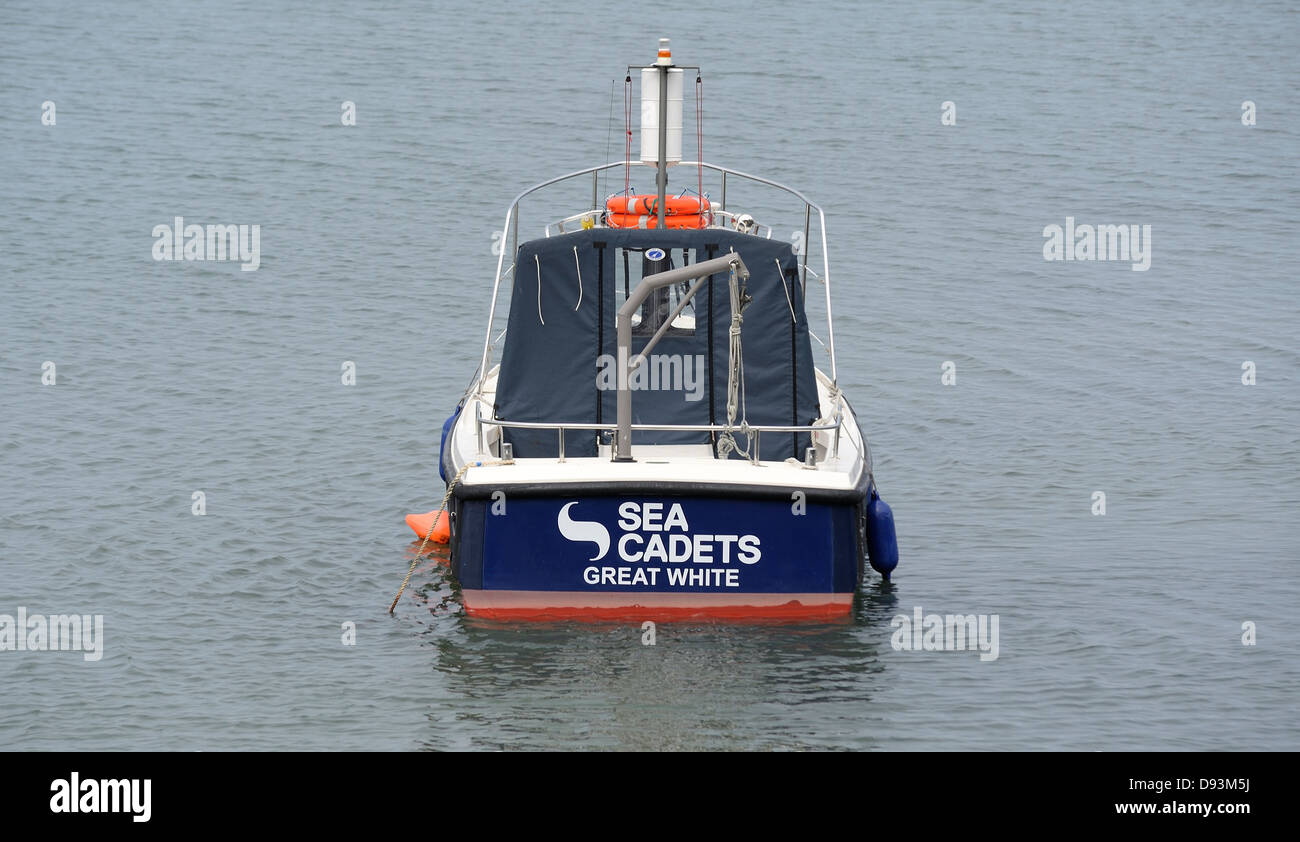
(420,552)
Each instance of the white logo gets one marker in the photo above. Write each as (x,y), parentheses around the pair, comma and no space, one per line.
(946,633)
(39,633)
(657,372)
(1099,242)
(95,795)
(583,530)
(654,254)
(179,241)
(657,533)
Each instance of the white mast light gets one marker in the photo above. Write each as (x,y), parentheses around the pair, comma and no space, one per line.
(650,108)
(650,115)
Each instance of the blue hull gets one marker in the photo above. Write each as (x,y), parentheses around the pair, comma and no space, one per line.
(663,550)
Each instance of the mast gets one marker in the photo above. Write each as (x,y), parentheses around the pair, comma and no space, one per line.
(662,64)
(661,121)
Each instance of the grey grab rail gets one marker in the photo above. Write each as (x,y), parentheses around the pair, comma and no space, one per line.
(727,263)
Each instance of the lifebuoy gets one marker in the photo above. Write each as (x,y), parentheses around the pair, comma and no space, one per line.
(632,220)
(648,205)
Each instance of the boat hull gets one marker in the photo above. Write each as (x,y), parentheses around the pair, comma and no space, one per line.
(657,551)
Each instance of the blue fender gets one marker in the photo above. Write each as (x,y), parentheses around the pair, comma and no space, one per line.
(882,542)
(442,445)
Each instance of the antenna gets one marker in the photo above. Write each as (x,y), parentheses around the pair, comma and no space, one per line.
(661,118)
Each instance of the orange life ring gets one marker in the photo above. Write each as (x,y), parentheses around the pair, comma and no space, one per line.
(631,220)
(648,205)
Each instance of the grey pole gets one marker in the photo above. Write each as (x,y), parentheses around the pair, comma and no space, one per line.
(663,140)
(649,284)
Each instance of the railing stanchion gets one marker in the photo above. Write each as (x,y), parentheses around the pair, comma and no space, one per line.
(807,223)
(478,427)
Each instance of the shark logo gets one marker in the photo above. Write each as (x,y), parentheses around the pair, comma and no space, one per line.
(583,530)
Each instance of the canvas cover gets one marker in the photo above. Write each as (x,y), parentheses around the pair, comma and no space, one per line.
(562,320)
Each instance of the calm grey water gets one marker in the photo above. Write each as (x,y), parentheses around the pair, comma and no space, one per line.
(1117,631)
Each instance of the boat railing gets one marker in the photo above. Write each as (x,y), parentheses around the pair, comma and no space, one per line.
(752,431)
(718,219)
(511,232)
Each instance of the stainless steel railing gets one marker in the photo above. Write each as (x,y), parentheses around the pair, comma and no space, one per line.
(511,228)
(754,431)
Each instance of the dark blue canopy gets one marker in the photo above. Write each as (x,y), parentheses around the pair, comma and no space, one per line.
(558,364)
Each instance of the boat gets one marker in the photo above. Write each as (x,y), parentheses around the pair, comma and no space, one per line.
(651,436)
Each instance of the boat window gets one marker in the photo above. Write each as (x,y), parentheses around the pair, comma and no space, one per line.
(631,266)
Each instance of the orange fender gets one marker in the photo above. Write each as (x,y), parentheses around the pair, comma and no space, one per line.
(423,523)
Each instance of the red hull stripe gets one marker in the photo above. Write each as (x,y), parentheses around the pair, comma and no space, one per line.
(581,605)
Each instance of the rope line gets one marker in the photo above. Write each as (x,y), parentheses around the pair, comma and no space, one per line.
(539,288)
(788,299)
(735,378)
(579,267)
(609,133)
(627,127)
(699,133)
(420,552)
